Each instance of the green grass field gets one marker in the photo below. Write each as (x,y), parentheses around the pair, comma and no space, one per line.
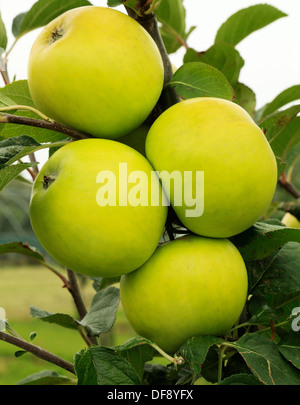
(21,287)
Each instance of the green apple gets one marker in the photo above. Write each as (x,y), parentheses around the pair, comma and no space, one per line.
(290,220)
(189,287)
(97,70)
(137,138)
(218,139)
(86,211)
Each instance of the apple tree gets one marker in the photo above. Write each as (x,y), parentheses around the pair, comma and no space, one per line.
(261,346)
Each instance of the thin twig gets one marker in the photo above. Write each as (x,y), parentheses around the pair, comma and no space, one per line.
(79,303)
(32,159)
(37,351)
(288,186)
(75,292)
(169,95)
(53,126)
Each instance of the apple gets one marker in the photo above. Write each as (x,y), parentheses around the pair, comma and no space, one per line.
(137,138)
(97,70)
(290,220)
(218,139)
(191,286)
(87,211)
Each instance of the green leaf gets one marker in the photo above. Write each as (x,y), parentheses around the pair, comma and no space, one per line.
(3,35)
(32,336)
(137,351)
(289,347)
(265,361)
(17,93)
(274,124)
(285,97)
(197,79)
(102,366)
(292,158)
(17,22)
(264,238)
(195,350)
(287,138)
(222,56)
(171,15)
(282,274)
(100,317)
(245,97)
(8,173)
(133,342)
(245,21)
(21,248)
(30,251)
(99,283)
(46,377)
(13,149)
(102,313)
(20,353)
(261,312)
(114,3)
(64,320)
(42,12)
(240,379)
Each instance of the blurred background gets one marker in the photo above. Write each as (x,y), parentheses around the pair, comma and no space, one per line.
(272,64)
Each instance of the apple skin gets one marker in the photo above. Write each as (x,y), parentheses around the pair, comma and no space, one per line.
(100,241)
(220,138)
(97,70)
(189,287)
(290,221)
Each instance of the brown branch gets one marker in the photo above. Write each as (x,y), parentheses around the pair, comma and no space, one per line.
(75,292)
(288,186)
(4,73)
(37,351)
(169,95)
(53,126)
(35,168)
(79,303)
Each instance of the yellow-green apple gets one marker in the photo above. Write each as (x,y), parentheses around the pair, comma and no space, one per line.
(97,70)
(137,138)
(90,208)
(218,140)
(290,220)
(189,287)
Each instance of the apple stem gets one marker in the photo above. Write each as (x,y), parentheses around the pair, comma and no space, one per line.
(220,361)
(176,360)
(28,108)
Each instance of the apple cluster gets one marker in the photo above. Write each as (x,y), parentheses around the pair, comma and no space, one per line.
(97,70)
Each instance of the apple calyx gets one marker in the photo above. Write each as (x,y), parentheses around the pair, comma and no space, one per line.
(47,181)
(56,34)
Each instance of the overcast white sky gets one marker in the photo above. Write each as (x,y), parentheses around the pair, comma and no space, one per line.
(272,54)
